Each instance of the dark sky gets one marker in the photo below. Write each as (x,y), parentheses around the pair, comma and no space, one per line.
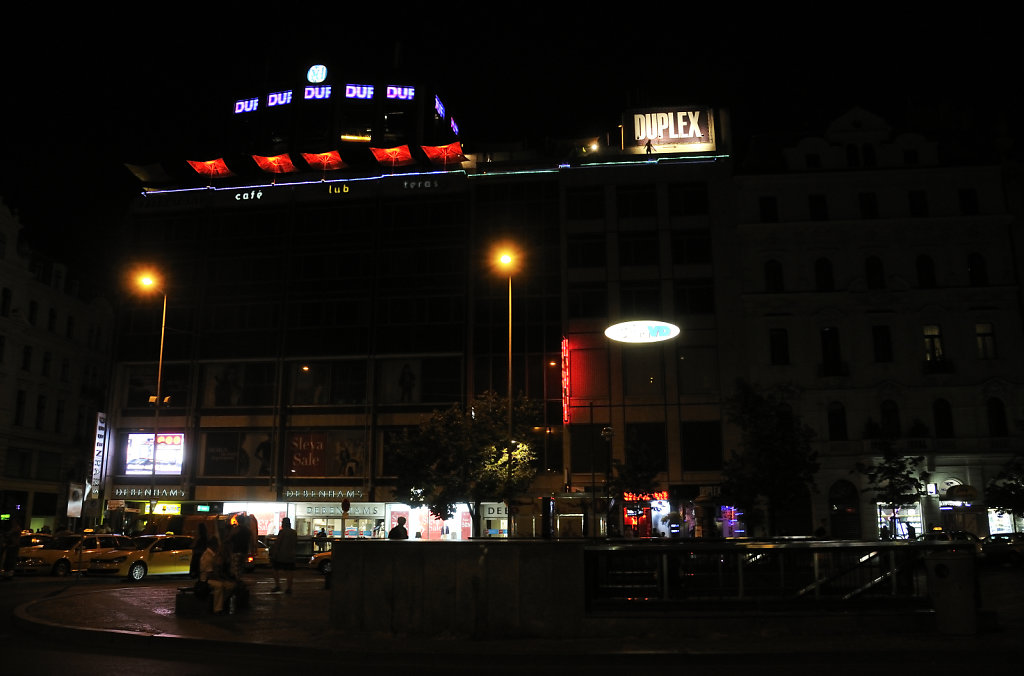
(80,102)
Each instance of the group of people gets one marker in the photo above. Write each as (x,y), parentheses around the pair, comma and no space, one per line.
(217,565)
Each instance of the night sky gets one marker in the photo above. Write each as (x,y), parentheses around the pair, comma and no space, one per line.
(80,103)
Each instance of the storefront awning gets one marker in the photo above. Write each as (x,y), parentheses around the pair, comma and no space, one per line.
(329,161)
(399,156)
(445,155)
(276,164)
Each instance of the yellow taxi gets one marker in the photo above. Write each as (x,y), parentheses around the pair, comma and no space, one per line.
(322,562)
(65,554)
(146,555)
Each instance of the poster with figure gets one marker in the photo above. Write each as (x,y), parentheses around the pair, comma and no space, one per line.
(400,381)
(326,453)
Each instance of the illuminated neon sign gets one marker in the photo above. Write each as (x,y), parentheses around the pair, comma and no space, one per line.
(316,74)
(439,107)
(565,380)
(310,93)
(247,105)
(642,331)
(364,92)
(455,127)
(279,99)
(403,93)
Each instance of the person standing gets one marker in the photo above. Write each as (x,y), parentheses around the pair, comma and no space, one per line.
(282,556)
(399,532)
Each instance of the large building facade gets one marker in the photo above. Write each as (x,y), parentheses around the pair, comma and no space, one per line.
(54,368)
(312,316)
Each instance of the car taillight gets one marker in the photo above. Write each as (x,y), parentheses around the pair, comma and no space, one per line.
(251,558)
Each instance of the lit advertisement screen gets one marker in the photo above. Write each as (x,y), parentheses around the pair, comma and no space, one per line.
(683,130)
(170,453)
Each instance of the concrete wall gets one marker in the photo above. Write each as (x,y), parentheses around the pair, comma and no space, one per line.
(483,589)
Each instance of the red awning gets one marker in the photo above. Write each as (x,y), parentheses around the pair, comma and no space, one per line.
(329,161)
(217,168)
(278,164)
(393,157)
(445,155)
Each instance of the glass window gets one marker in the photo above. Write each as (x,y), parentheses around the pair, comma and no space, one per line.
(874,273)
(890,419)
(701,442)
(996,413)
(925,272)
(977,270)
(985,338)
(932,343)
(691,247)
(638,248)
(586,250)
(881,340)
(778,347)
(942,414)
(773,279)
(836,422)
(823,279)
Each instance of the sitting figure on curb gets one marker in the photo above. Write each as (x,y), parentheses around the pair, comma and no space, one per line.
(213,570)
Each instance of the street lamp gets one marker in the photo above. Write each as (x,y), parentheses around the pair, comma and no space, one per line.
(148,282)
(507,260)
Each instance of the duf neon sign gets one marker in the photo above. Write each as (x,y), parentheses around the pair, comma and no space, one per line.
(642,331)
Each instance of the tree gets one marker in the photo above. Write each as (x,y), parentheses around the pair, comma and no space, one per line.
(895,481)
(1006,490)
(775,465)
(637,475)
(461,456)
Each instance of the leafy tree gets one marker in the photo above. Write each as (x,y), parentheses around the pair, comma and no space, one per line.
(461,456)
(637,474)
(1006,490)
(895,481)
(775,465)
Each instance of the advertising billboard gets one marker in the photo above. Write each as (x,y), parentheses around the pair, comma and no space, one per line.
(139,457)
(682,129)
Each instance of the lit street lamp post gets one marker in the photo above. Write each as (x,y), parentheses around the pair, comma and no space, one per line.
(506,260)
(149,282)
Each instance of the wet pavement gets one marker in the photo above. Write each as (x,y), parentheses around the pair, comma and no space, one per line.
(145,614)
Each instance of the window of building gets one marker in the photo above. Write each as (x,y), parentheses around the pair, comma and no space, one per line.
(590,452)
(688,199)
(773,279)
(836,422)
(33,312)
(40,411)
(996,414)
(20,401)
(823,279)
(694,296)
(890,419)
(636,201)
(646,445)
(868,202)
(932,342)
(874,272)
(768,209)
(48,466)
(985,338)
(18,463)
(968,199)
(643,372)
(778,347)
(5,303)
(584,203)
(817,207)
(26,358)
(881,341)
(69,331)
(586,301)
(701,442)
(51,320)
(586,250)
(691,247)
(925,267)
(638,300)
(831,356)
(44,368)
(638,248)
(977,270)
(942,416)
(917,201)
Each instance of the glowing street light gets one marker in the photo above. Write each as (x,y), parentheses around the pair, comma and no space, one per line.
(149,282)
(507,261)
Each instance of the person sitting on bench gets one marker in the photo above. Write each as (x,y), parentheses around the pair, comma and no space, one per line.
(213,570)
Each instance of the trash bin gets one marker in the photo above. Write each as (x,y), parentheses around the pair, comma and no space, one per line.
(953,588)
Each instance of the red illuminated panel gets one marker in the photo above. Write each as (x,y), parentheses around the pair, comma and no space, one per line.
(445,155)
(393,157)
(278,164)
(565,380)
(329,161)
(213,168)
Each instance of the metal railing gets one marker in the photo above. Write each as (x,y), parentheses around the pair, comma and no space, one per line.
(649,575)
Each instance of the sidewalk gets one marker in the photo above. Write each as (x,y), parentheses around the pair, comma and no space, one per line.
(301,621)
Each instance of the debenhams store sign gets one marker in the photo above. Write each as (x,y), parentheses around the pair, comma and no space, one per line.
(671,130)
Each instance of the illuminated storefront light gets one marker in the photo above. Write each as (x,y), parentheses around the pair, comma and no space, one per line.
(642,331)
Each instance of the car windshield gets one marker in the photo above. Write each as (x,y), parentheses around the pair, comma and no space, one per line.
(63,542)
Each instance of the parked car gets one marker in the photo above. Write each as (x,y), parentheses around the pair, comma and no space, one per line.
(1004,548)
(30,540)
(146,555)
(322,562)
(67,554)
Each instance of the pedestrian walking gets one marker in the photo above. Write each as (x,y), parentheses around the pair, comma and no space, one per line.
(282,556)
(399,532)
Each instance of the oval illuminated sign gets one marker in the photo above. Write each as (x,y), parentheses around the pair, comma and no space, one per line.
(642,331)
(316,74)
